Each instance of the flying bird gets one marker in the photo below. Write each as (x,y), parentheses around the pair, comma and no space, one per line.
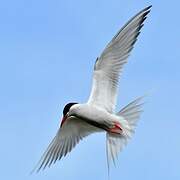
(98,114)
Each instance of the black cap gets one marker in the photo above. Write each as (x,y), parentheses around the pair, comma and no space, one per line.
(67,107)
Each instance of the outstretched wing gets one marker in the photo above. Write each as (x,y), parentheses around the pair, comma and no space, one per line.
(109,65)
(72,131)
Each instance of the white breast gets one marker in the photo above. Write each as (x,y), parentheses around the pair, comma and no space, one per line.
(93,113)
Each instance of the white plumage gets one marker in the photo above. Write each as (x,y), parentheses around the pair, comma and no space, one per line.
(97,115)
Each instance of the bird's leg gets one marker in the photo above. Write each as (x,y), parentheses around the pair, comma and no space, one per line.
(116,128)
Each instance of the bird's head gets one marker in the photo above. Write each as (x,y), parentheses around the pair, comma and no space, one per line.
(66,111)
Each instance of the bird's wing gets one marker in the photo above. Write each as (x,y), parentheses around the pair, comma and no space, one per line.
(72,131)
(109,65)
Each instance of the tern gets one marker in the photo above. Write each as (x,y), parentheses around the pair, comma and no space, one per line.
(98,114)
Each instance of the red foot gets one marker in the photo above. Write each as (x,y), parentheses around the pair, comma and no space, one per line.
(116,129)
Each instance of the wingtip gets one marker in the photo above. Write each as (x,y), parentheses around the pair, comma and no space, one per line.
(35,170)
(148,8)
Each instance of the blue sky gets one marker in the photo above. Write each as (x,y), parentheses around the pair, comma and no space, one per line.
(48,49)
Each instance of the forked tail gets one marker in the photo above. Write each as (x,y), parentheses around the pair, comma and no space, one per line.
(115,142)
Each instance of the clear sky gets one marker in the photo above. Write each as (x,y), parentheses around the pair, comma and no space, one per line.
(47,53)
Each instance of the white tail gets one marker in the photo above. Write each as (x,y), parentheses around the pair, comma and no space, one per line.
(115,142)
